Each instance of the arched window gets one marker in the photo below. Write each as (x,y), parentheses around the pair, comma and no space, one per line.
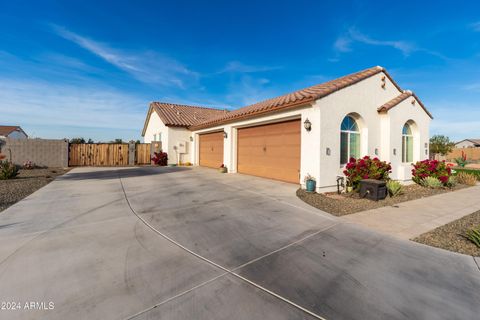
(407,143)
(349,140)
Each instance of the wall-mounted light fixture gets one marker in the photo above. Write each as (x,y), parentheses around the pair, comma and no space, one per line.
(394,151)
(191,138)
(426,145)
(307,125)
(327,151)
(376,151)
(225,135)
(426,152)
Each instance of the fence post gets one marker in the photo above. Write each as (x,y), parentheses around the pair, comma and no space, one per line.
(131,153)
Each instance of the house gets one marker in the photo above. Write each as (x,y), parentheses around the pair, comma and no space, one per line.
(311,131)
(468,143)
(14,132)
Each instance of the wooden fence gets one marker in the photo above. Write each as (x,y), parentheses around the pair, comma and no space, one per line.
(473,154)
(142,153)
(98,154)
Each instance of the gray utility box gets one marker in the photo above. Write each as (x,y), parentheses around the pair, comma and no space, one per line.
(373,189)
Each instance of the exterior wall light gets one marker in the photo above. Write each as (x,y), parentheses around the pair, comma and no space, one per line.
(191,138)
(376,151)
(394,151)
(307,125)
(225,135)
(328,151)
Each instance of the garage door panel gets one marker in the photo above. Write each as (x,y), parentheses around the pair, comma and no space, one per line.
(270,151)
(211,149)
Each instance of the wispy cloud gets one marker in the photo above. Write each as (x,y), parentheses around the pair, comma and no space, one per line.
(148,66)
(472,87)
(475,26)
(239,67)
(345,41)
(59,110)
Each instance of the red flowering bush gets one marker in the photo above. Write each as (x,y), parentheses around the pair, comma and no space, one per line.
(366,168)
(431,168)
(160,158)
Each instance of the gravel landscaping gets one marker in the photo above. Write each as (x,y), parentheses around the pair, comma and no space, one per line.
(26,183)
(449,237)
(343,204)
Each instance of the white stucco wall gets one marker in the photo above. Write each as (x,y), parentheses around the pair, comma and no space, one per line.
(420,124)
(361,100)
(170,137)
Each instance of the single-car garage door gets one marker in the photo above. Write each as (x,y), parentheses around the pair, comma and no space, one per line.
(270,151)
(211,149)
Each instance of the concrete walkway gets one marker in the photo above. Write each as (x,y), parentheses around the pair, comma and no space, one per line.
(410,219)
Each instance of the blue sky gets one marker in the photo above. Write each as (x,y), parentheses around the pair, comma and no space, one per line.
(90,68)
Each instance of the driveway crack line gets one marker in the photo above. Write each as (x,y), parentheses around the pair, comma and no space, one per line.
(476,262)
(227,271)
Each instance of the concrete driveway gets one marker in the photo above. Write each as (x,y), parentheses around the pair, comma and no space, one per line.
(176,243)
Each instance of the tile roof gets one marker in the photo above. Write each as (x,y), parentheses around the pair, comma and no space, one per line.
(291,100)
(395,101)
(178,115)
(474,141)
(6,130)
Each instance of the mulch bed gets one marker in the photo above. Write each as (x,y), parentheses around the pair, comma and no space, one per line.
(449,237)
(343,204)
(26,183)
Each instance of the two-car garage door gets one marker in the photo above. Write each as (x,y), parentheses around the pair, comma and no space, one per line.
(270,151)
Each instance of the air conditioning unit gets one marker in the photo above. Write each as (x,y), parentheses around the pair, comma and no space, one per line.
(182,147)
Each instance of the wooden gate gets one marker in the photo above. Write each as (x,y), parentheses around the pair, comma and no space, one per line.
(142,153)
(98,154)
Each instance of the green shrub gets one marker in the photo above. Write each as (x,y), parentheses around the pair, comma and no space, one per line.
(394,188)
(476,173)
(452,181)
(466,178)
(8,170)
(431,182)
(473,235)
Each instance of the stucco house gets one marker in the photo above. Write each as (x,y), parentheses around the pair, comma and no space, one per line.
(311,131)
(468,143)
(13,132)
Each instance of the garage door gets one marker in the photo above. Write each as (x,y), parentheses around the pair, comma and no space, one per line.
(211,149)
(270,151)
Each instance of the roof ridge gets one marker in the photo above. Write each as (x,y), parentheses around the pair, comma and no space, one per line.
(186,105)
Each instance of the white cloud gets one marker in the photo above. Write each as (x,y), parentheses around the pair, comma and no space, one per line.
(45,107)
(237,66)
(344,42)
(475,26)
(473,87)
(148,66)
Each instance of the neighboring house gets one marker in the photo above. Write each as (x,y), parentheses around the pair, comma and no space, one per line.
(13,132)
(468,143)
(311,131)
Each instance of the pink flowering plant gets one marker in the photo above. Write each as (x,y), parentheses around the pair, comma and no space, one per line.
(366,168)
(431,168)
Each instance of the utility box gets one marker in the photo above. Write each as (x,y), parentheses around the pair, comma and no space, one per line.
(373,189)
(182,147)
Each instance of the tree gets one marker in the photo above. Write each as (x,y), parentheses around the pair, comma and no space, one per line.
(118,141)
(440,144)
(77,140)
(90,141)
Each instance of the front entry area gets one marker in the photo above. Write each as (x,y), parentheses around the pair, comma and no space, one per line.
(211,149)
(270,151)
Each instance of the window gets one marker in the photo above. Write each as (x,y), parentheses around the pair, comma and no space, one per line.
(407,144)
(349,140)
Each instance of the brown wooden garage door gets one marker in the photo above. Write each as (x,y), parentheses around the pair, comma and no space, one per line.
(270,151)
(211,149)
